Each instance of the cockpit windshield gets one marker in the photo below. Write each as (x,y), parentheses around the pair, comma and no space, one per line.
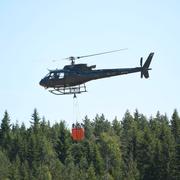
(55,75)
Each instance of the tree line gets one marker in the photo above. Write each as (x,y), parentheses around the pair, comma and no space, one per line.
(133,148)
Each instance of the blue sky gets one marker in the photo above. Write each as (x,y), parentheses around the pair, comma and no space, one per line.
(32,33)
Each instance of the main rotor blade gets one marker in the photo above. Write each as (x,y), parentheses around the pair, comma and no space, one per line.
(78,57)
(72,58)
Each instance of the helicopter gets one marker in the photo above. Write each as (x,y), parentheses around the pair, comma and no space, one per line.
(72,78)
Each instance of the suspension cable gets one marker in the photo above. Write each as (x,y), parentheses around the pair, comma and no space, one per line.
(75,109)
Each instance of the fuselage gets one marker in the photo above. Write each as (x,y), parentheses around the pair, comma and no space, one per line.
(74,75)
(69,79)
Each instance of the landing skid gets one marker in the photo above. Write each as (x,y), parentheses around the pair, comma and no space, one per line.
(68,90)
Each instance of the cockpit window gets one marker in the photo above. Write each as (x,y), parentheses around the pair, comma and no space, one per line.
(61,75)
(55,75)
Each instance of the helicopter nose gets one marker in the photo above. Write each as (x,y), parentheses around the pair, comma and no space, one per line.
(42,83)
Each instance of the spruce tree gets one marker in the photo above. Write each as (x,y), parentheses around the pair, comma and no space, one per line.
(5,131)
(117,127)
(91,173)
(175,127)
(63,142)
(35,122)
(5,166)
(101,125)
(88,127)
(111,154)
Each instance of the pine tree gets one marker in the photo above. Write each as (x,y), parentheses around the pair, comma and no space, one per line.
(56,168)
(63,143)
(168,149)
(5,166)
(70,171)
(97,159)
(140,120)
(164,151)
(117,127)
(145,153)
(15,169)
(5,131)
(88,127)
(77,152)
(101,125)
(35,121)
(24,170)
(91,173)
(111,153)
(131,138)
(175,127)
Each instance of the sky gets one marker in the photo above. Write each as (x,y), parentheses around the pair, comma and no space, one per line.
(33,33)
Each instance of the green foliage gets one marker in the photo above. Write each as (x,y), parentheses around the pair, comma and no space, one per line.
(5,131)
(110,151)
(4,166)
(91,173)
(135,148)
(101,125)
(116,125)
(63,142)
(88,127)
(131,138)
(175,128)
(175,125)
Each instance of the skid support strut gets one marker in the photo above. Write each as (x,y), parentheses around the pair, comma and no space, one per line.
(68,90)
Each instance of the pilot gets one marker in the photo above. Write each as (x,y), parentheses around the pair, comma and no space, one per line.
(56,76)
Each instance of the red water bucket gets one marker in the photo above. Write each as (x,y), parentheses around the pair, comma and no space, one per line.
(77,133)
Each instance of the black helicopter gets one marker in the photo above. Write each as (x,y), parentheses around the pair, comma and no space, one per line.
(72,78)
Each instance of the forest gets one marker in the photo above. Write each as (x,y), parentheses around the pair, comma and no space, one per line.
(132,148)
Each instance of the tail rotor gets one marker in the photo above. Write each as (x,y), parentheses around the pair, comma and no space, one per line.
(141,64)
